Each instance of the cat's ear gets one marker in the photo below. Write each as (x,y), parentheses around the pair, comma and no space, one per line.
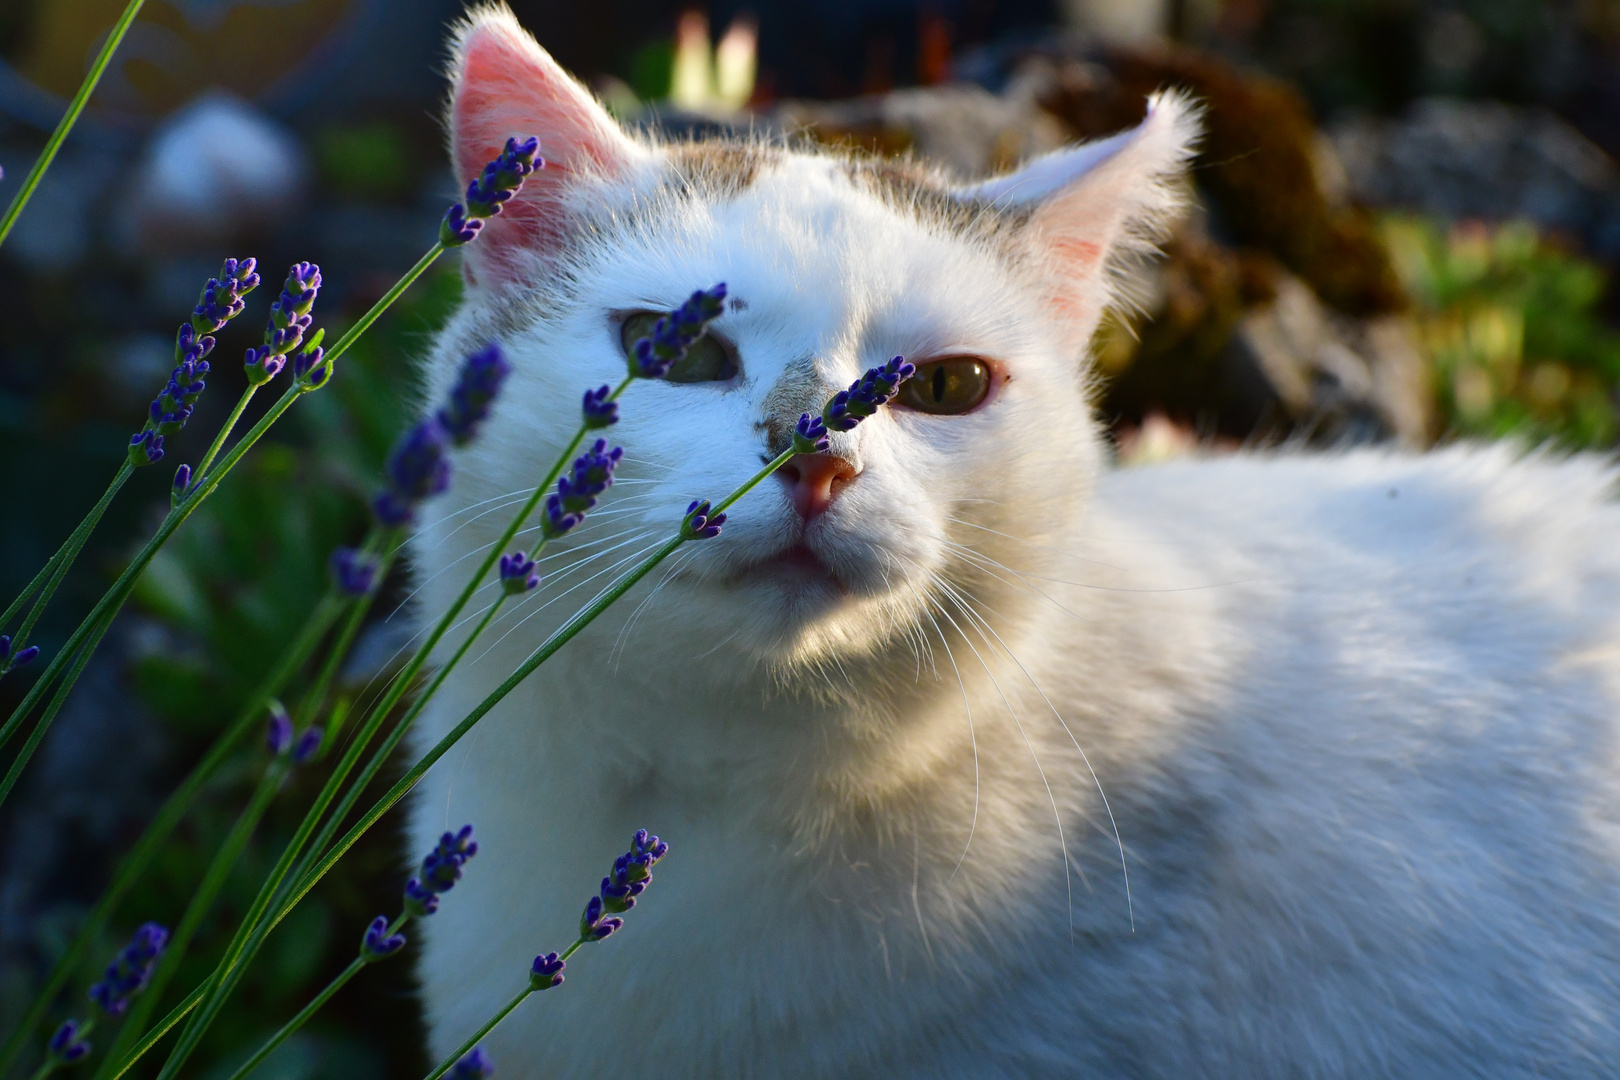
(504,84)
(1092,208)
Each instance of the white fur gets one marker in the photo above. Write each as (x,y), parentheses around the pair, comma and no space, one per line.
(1354,714)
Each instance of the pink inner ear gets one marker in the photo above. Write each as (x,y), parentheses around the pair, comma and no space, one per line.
(508,86)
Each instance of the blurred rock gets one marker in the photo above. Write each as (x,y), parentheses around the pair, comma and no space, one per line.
(1480,159)
(91,789)
(966,128)
(57,230)
(215,171)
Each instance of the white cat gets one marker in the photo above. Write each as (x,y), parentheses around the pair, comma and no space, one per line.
(1354,714)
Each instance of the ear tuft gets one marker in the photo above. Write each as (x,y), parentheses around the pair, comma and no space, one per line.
(1095,208)
(503,84)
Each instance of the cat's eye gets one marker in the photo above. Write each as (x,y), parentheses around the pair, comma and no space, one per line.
(708,360)
(946,387)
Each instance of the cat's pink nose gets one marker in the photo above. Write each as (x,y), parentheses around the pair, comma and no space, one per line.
(813,480)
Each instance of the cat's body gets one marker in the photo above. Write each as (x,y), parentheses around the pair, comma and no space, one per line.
(1354,715)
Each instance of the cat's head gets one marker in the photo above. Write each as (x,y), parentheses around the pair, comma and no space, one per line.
(834,262)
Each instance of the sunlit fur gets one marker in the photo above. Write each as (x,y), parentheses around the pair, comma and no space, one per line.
(1353,713)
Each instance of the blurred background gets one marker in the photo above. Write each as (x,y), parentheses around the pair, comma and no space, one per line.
(1407,223)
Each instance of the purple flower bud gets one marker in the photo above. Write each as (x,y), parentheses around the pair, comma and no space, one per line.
(24,657)
(221,298)
(674,334)
(278,730)
(546,972)
(480,380)
(517,574)
(310,368)
(866,395)
(420,901)
(66,1046)
(456,228)
(475,1065)
(308,744)
(378,943)
(182,481)
(145,448)
(599,411)
(594,925)
(130,970)
(555,521)
(353,572)
(810,436)
(699,523)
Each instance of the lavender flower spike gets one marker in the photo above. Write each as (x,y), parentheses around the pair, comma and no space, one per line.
(576,492)
(487,194)
(289,320)
(476,1065)
(440,872)
(546,971)
(866,395)
(631,874)
(220,302)
(65,1046)
(517,574)
(378,943)
(480,380)
(673,335)
(418,469)
(130,970)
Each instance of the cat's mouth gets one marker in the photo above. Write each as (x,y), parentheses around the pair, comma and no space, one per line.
(796,567)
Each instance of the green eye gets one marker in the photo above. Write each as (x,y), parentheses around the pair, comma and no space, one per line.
(946,387)
(706,361)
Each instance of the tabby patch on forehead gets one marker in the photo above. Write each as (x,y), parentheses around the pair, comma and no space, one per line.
(720,168)
(920,190)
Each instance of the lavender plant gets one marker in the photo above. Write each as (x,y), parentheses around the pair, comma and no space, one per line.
(312,368)
(627,880)
(440,871)
(418,469)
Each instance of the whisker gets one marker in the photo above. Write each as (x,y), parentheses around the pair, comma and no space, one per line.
(1057,815)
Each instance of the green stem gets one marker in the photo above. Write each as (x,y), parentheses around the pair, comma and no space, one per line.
(51,1064)
(383,304)
(220,982)
(70,552)
(250,935)
(202,901)
(114,598)
(54,707)
(160,1029)
(506,1010)
(224,432)
(69,118)
(547,649)
(168,816)
(314,1006)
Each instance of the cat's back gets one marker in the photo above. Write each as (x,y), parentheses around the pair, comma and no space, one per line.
(1404,791)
